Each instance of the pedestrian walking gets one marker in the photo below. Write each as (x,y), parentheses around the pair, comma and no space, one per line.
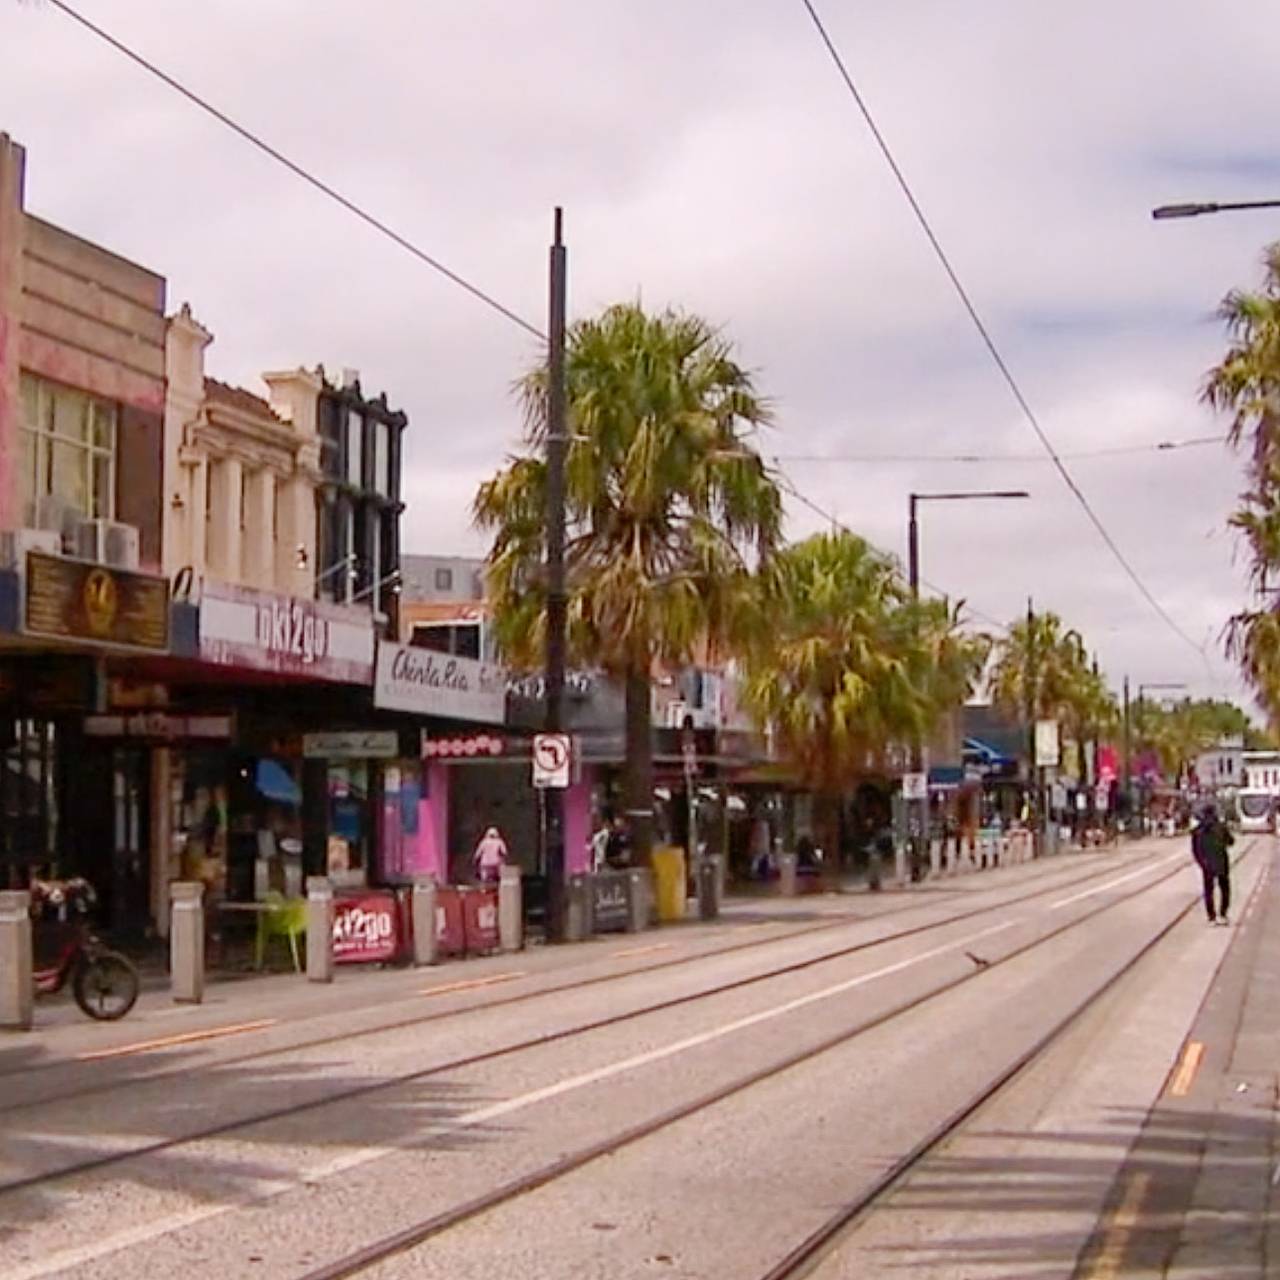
(490,857)
(1211,843)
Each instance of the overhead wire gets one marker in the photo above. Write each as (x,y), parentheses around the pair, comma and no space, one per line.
(1161,446)
(299,170)
(985,334)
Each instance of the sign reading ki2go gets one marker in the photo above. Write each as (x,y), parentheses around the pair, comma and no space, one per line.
(365,929)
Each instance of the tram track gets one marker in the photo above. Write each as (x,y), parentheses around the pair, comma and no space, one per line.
(423,1230)
(1056,881)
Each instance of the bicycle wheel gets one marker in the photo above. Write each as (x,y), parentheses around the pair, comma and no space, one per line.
(105,986)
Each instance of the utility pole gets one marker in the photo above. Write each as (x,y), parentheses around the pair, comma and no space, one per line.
(917,810)
(1033,773)
(557,599)
(1128,752)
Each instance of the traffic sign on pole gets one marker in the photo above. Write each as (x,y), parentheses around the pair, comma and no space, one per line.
(552,760)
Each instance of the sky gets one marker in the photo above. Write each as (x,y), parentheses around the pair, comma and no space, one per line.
(708,157)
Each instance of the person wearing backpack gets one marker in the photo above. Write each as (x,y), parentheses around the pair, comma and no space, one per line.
(1211,843)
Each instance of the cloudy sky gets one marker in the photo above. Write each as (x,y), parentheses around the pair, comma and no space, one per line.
(708,156)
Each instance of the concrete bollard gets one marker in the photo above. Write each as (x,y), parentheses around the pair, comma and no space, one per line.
(17,985)
(425,926)
(319,929)
(709,887)
(186,941)
(787,875)
(511,909)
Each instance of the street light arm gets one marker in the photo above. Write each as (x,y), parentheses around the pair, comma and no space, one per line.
(1194,209)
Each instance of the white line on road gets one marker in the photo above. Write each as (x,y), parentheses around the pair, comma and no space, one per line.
(1112,884)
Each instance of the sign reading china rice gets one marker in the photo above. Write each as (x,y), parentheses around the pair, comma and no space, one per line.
(240,627)
(439,684)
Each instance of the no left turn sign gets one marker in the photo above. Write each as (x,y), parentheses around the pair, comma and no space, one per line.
(552,759)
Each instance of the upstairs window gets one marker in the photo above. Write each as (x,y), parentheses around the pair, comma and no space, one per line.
(68,448)
(355,450)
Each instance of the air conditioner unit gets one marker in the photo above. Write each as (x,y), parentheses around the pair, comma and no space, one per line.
(16,543)
(55,515)
(122,545)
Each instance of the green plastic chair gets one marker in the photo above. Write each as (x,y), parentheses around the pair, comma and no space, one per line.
(284,918)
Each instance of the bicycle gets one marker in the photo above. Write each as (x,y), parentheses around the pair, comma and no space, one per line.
(104,983)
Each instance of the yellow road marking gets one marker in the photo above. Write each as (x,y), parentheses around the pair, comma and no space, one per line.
(1111,1256)
(642,951)
(183,1037)
(1187,1069)
(471,983)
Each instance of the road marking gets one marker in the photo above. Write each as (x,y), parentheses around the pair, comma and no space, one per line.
(1111,1256)
(642,951)
(1187,1069)
(472,983)
(1111,884)
(269,1189)
(182,1037)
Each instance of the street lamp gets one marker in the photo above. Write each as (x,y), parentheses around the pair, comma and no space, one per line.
(918,828)
(1167,212)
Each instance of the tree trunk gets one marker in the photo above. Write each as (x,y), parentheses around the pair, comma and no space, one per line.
(639,766)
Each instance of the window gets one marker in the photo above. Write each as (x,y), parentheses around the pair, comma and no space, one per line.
(355,449)
(68,447)
(245,480)
(444,579)
(382,458)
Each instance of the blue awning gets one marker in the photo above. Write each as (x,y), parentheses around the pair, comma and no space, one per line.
(985,752)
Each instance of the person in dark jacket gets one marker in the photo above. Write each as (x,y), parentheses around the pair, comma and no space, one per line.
(1211,843)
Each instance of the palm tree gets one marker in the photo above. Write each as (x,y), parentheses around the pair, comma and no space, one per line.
(669,510)
(849,666)
(1246,385)
(1038,650)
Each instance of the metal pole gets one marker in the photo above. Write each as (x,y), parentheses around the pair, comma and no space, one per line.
(1033,798)
(557,603)
(915,829)
(1128,751)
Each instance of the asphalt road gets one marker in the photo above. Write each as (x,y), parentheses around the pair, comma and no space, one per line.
(341,1121)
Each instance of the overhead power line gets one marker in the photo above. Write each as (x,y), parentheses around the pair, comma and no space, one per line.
(1163,446)
(299,171)
(985,334)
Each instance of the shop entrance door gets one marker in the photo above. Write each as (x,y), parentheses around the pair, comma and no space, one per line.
(130,903)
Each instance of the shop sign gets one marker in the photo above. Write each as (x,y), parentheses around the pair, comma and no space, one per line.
(464,746)
(1047,750)
(355,744)
(915,786)
(159,726)
(439,684)
(240,627)
(78,600)
(365,929)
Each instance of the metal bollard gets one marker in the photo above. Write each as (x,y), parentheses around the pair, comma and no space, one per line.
(578,912)
(787,875)
(17,985)
(319,929)
(709,887)
(425,925)
(186,941)
(637,900)
(511,909)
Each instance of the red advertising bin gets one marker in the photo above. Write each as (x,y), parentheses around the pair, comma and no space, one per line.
(480,920)
(366,928)
(451,938)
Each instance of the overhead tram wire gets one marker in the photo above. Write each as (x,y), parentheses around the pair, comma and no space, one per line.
(1163,446)
(299,171)
(988,341)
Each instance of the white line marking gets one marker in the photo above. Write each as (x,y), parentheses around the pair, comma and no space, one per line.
(1112,884)
(49,1264)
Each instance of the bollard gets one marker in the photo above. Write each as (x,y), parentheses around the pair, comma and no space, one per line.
(709,887)
(787,875)
(17,985)
(899,864)
(186,941)
(511,909)
(637,900)
(578,909)
(425,926)
(319,929)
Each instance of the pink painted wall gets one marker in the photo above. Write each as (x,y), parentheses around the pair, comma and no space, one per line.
(577,825)
(433,823)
